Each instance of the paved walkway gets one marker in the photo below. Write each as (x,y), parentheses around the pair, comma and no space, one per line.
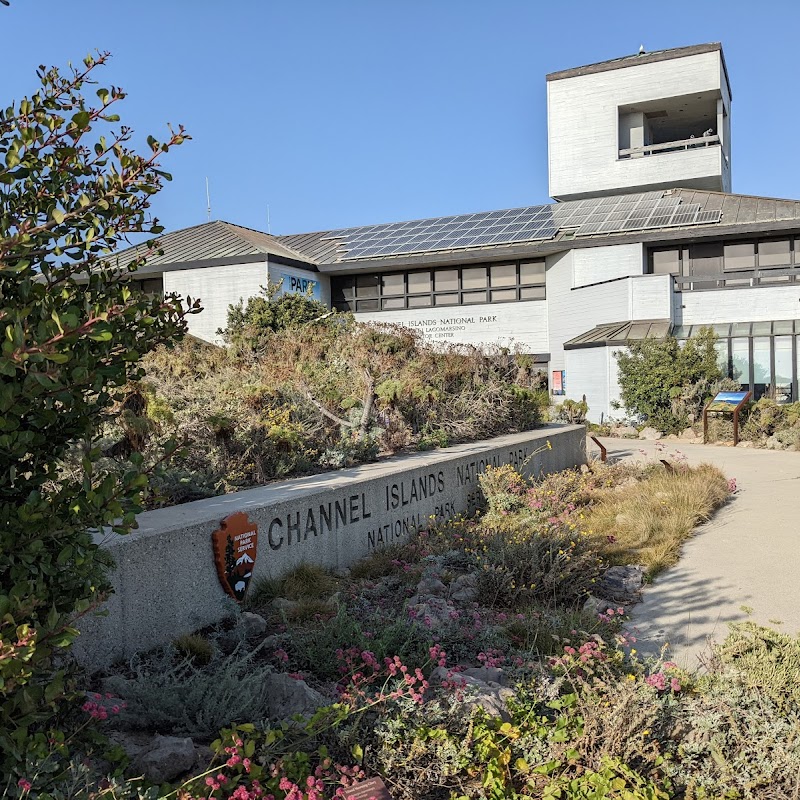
(748,554)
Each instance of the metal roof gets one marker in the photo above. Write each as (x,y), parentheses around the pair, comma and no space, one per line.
(216,242)
(618,333)
(723,330)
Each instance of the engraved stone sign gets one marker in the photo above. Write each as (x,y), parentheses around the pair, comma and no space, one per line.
(235,545)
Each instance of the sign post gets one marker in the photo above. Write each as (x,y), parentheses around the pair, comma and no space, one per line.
(726,402)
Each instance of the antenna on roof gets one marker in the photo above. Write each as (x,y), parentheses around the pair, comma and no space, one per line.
(208,202)
(269,229)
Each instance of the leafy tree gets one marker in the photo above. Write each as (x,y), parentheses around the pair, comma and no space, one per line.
(74,329)
(655,374)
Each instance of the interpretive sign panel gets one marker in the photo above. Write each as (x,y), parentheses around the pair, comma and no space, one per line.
(235,546)
(726,402)
(372,789)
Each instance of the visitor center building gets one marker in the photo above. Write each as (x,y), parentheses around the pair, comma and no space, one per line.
(644,238)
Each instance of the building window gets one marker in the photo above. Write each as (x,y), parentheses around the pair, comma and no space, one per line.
(711,265)
(666,262)
(740,256)
(783,369)
(393,291)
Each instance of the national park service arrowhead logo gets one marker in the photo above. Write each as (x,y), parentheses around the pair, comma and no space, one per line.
(235,545)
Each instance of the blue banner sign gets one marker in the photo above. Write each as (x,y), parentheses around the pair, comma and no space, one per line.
(306,286)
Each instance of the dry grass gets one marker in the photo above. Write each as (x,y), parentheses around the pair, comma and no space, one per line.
(304,582)
(646,522)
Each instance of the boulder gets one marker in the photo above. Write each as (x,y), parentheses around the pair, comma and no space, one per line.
(165,758)
(650,433)
(625,431)
(282,604)
(774,443)
(252,625)
(490,696)
(289,696)
(492,675)
(745,443)
(464,589)
(689,435)
(431,587)
(621,584)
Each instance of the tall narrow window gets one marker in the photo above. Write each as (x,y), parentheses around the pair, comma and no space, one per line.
(762,368)
(783,369)
(740,358)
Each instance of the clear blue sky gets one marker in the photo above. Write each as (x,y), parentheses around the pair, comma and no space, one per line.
(340,113)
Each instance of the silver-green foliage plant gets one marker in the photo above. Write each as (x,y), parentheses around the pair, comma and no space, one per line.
(177,695)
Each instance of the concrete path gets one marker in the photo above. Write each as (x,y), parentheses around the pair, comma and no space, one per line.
(748,554)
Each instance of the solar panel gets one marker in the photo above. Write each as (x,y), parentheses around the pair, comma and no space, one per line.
(590,216)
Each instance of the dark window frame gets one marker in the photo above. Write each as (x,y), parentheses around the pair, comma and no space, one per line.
(732,277)
(346,296)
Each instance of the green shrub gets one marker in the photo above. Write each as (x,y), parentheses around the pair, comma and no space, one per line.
(75,332)
(656,376)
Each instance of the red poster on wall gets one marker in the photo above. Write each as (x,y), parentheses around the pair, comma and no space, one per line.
(558,381)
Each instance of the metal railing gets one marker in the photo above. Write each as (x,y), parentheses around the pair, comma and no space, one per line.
(667,147)
(737,278)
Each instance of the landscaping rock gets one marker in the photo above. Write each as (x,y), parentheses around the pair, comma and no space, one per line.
(283,604)
(165,758)
(621,584)
(431,587)
(594,605)
(689,435)
(746,443)
(625,431)
(487,674)
(774,443)
(490,696)
(671,437)
(252,624)
(650,433)
(288,696)
(464,589)
(344,572)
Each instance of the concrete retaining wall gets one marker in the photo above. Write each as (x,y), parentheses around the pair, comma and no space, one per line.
(166,582)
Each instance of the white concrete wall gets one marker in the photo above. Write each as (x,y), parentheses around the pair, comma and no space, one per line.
(598,264)
(651,297)
(738,305)
(583,118)
(217,288)
(276,271)
(587,375)
(523,323)
(575,311)
(595,375)
(165,582)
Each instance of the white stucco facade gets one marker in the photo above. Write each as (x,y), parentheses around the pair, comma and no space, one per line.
(217,288)
(583,119)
